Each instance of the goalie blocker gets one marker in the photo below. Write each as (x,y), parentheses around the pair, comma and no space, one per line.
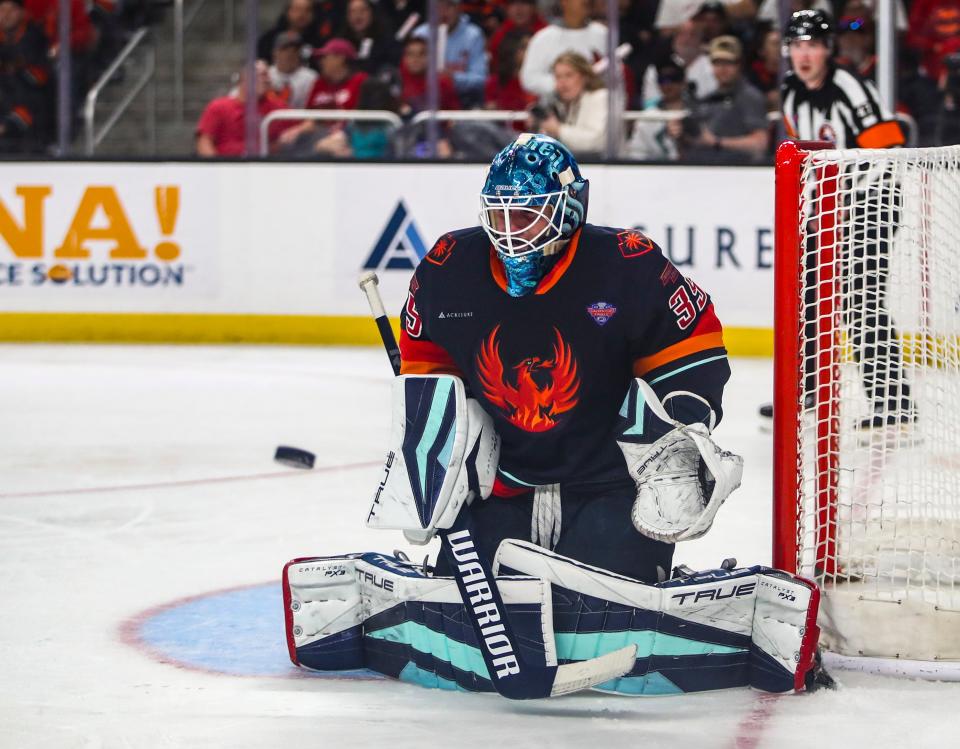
(699,631)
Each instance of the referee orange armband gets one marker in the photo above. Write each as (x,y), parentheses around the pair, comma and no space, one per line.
(881,135)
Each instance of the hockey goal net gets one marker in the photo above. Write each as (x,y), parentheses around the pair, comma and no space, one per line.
(867,394)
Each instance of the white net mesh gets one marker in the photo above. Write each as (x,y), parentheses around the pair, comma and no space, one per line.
(878,406)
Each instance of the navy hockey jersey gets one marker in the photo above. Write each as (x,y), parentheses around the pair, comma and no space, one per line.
(552,368)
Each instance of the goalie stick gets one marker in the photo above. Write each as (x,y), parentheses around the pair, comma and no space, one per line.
(510,675)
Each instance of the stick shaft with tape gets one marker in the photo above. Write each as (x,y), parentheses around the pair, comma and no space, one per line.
(368,284)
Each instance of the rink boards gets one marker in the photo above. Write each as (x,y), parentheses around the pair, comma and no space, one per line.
(271,252)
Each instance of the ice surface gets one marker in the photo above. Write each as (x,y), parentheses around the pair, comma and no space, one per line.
(137,494)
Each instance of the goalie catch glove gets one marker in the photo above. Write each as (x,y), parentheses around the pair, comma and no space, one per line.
(682,476)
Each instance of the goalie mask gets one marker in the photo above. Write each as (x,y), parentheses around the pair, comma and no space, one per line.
(533,201)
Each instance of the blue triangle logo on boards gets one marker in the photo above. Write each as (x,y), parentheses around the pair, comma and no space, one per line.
(400,246)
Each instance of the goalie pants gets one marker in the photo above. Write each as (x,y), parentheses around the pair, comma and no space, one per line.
(595,529)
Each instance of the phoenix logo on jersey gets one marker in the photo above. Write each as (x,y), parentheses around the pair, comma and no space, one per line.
(540,389)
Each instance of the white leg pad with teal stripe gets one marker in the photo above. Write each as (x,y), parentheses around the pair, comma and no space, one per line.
(378,612)
(717,629)
(709,630)
(445,452)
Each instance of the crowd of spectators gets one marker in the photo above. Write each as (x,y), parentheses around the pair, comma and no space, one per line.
(30,49)
(703,75)
(701,79)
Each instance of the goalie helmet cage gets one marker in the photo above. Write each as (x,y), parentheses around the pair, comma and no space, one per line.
(867,399)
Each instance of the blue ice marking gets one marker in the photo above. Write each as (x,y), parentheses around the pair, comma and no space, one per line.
(237,632)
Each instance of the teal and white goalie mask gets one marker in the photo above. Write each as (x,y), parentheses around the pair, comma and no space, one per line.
(533,201)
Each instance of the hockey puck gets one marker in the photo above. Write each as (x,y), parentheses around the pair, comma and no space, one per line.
(294,457)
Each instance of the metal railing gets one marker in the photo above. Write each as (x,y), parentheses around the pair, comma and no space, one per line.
(471,115)
(182,22)
(327,115)
(92,138)
(445,115)
(505,115)
(654,115)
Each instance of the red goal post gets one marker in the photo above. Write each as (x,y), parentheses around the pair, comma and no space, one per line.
(867,395)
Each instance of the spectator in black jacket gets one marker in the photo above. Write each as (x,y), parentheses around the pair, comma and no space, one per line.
(403,16)
(25,92)
(368,31)
(315,23)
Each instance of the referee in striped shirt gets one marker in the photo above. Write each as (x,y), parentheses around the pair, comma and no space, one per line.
(824,102)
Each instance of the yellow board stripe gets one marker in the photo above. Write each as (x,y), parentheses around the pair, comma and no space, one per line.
(187,328)
(78,327)
(917,349)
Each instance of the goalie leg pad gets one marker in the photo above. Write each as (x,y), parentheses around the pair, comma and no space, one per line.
(323,612)
(785,631)
(713,630)
(383,614)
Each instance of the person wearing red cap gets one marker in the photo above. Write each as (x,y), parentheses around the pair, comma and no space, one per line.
(338,87)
